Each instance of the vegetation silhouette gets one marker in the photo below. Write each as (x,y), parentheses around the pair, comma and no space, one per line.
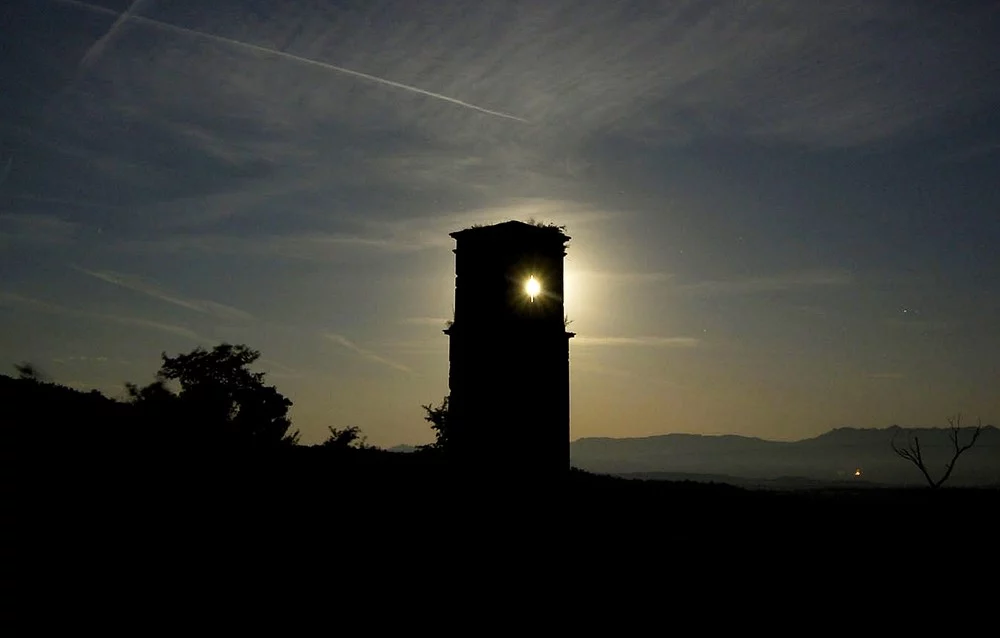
(209,435)
(437,416)
(43,417)
(30,372)
(344,439)
(220,403)
(913,454)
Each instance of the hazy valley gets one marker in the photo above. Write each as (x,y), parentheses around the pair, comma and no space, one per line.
(831,458)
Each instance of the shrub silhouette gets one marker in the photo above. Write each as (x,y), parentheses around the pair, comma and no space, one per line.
(28,371)
(437,416)
(221,402)
(344,439)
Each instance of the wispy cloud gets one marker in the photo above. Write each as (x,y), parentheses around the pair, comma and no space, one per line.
(435,347)
(886,375)
(137,284)
(91,55)
(922,325)
(643,342)
(101,43)
(773,283)
(65,201)
(36,229)
(277,365)
(619,373)
(625,277)
(5,171)
(89,7)
(14,300)
(314,247)
(398,235)
(333,67)
(276,369)
(973,151)
(424,321)
(806,72)
(146,323)
(367,354)
(82,358)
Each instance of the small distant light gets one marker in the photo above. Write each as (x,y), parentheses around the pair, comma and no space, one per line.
(857,472)
(532,287)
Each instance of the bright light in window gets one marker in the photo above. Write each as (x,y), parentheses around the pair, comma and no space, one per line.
(532,287)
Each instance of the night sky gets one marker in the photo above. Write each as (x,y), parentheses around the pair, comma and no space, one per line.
(785,215)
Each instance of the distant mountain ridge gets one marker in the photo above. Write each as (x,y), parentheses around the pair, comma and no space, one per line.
(833,456)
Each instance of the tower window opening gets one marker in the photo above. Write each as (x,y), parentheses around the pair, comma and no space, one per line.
(532,287)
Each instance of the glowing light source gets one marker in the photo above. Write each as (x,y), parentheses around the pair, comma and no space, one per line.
(532,287)
(857,472)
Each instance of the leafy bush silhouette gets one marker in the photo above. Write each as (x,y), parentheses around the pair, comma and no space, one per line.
(344,439)
(437,416)
(220,403)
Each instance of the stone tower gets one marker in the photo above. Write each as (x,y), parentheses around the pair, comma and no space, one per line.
(509,350)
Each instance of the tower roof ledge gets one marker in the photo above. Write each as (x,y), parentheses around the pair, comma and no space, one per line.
(513,228)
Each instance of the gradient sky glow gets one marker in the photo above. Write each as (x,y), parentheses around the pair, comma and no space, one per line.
(785,214)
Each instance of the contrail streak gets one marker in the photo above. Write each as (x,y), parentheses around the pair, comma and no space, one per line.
(367,354)
(331,67)
(98,47)
(282,54)
(92,7)
(93,52)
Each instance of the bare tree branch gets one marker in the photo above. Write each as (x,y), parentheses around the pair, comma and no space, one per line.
(953,434)
(913,455)
(912,451)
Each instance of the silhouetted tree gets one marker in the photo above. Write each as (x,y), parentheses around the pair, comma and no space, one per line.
(220,401)
(156,392)
(913,454)
(30,372)
(437,416)
(346,438)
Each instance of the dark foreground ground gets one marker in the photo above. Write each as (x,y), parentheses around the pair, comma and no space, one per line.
(314,486)
(289,523)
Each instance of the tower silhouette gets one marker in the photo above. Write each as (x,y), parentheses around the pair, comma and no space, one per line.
(509,350)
